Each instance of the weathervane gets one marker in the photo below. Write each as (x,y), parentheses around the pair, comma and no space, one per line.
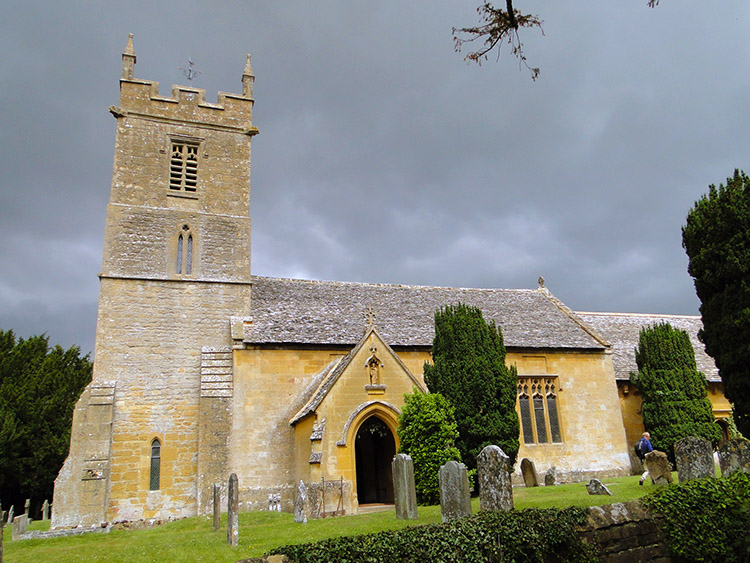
(190,72)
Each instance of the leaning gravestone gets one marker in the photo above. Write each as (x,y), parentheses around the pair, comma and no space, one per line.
(301,504)
(404,489)
(596,487)
(455,501)
(495,489)
(216,497)
(659,468)
(550,478)
(734,456)
(233,529)
(45,510)
(694,458)
(10,515)
(528,470)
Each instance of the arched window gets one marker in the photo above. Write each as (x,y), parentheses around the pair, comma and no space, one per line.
(155,465)
(184,258)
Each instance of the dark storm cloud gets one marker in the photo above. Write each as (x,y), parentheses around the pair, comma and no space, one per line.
(383,157)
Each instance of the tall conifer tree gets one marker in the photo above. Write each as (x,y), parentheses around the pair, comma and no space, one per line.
(716,238)
(469,370)
(675,402)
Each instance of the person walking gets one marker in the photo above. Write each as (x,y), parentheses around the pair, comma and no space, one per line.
(644,447)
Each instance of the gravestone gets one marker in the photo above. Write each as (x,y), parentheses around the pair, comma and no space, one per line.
(528,470)
(694,458)
(550,478)
(659,468)
(10,515)
(734,456)
(217,506)
(596,487)
(455,502)
(404,489)
(20,526)
(26,506)
(301,504)
(45,510)
(233,529)
(495,488)
(274,502)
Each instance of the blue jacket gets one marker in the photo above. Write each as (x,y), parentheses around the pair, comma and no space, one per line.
(646,446)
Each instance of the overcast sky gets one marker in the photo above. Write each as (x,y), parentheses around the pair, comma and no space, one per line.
(383,156)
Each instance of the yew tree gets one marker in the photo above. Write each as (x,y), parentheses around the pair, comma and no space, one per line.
(469,370)
(675,401)
(716,237)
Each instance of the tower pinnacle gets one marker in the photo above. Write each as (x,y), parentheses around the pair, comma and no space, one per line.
(248,79)
(128,59)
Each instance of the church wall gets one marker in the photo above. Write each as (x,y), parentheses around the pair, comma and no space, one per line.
(267,388)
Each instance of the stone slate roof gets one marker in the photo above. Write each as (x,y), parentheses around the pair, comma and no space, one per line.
(287,311)
(622,331)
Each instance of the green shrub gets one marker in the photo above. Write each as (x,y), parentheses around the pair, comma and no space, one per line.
(706,519)
(524,535)
(427,432)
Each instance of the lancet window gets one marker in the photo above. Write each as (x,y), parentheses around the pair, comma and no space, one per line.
(185,251)
(155,474)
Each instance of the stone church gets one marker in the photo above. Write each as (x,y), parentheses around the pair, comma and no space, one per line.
(202,369)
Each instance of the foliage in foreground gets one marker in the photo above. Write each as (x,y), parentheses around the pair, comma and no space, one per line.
(675,400)
(427,431)
(716,237)
(469,370)
(525,535)
(39,387)
(706,519)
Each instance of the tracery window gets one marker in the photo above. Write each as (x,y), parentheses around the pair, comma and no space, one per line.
(155,474)
(183,167)
(537,403)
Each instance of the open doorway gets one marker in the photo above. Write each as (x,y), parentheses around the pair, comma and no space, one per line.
(374,449)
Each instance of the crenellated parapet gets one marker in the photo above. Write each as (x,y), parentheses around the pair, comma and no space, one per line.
(185,105)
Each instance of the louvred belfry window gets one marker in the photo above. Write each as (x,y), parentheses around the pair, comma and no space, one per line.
(183,167)
(538,407)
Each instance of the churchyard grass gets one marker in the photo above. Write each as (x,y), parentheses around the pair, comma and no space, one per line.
(193,539)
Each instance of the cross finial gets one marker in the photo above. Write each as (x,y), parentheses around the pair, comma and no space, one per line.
(541,281)
(369,315)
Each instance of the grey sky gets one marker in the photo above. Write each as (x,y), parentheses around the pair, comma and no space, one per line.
(383,157)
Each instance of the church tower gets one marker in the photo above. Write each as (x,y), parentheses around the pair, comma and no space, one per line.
(175,272)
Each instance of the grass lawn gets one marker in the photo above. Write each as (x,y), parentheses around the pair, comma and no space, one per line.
(193,539)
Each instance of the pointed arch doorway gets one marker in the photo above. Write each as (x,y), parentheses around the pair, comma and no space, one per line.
(374,449)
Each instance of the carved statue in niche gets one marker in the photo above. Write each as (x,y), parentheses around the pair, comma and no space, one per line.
(373,365)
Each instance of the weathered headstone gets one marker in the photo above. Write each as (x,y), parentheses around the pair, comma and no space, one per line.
(659,468)
(596,487)
(233,529)
(20,526)
(694,458)
(217,506)
(10,515)
(301,504)
(404,489)
(274,502)
(493,472)
(550,478)
(734,456)
(45,510)
(26,506)
(528,470)
(455,501)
